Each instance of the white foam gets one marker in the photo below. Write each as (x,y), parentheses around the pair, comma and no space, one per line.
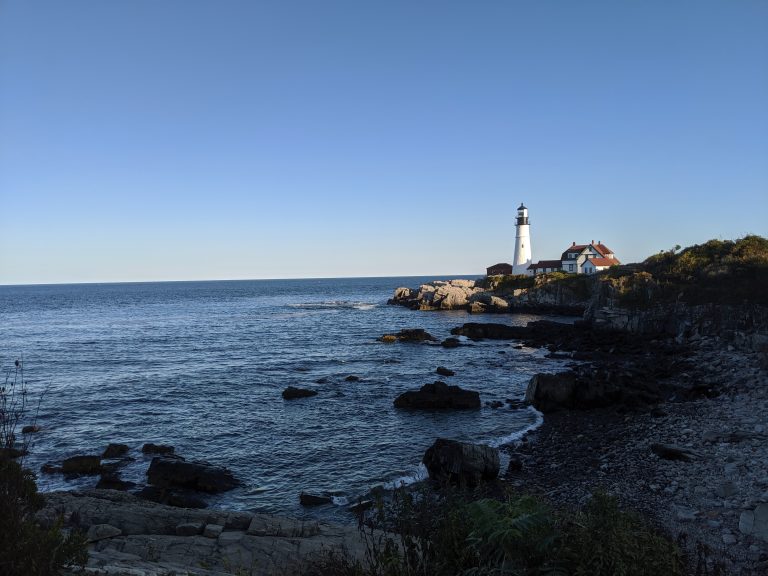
(340,500)
(334,305)
(419,475)
(515,436)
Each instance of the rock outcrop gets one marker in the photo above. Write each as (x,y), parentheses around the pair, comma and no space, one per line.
(439,396)
(409,335)
(133,537)
(200,476)
(461,463)
(437,295)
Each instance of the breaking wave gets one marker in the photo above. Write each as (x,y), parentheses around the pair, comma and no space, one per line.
(334,305)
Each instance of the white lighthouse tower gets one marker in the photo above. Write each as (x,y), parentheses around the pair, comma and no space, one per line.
(522,243)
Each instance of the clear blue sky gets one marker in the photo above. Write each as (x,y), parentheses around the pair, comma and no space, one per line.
(187,139)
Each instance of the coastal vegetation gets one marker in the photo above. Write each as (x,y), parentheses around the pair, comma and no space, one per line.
(449,533)
(27,549)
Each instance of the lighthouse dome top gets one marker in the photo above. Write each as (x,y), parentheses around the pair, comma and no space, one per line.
(522,207)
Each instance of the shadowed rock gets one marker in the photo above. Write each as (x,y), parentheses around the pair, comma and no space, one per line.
(115,451)
(438,396)
(292,393)
(461,463)
(81,465)
(201,476)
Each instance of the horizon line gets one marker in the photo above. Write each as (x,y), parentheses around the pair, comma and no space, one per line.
(23,284)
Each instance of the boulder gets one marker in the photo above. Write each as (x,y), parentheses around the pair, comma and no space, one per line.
(10,453)
(306,499)
(551,392)
(112,481)
(352,378)
(213,530)
(200,476)
(409,335)
(164,449)
(438,396)
(31,429)
(292,393)
(115,451)
(190,528)
(443,371)
(450,343)
(461,463)
(84,465)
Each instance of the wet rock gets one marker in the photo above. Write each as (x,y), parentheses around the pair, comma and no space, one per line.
(112,481)
(461,463)
(388,339)
(200,476)
(450,343)
(755,522)
(671,452)
(164,449)
(352,378)
(306,499)
(11,453)
(439,395)
(551,392)
(49,468)
(495,404)
(515,465)
(292,393)
(409,335)
(361,506)
(443,371)
(31,429)
(115,451)
(82,465)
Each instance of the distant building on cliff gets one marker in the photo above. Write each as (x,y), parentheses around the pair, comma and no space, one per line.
(579,259)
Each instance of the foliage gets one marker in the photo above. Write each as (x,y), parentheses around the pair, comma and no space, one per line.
(506,283)
(27,548)
(606,542)
(514,536)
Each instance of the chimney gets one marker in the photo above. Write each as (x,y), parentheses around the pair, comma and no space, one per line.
(592,242)
(574,244)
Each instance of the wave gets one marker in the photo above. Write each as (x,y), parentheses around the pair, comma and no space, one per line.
(419,475)
(515,436)
(334,305)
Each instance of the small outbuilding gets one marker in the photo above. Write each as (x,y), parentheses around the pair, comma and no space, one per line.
(499,269)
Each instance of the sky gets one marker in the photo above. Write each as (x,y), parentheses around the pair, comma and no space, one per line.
(188,140)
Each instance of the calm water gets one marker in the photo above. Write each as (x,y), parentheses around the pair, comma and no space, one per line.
(201,365)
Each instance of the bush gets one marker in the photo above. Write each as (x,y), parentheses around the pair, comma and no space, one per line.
(516,536)
(27,549)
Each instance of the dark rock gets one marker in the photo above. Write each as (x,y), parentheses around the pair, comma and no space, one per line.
(163,449)
(515,465)
(409,335)
(175,498)
(84,465)
(10,453)
(352,378)
(49,468)
(558,356)
(495,404)
(292,393)
(516,404)
(438,396)
(167,472)
(443,371)
(670,452)
(361,506)
(112,481)
(450,343)
(31,429)
(491,331)
(461,463)
(115,450)
(323,380)
(551,392)
(306,499)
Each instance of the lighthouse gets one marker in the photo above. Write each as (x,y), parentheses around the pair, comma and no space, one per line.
(522,243)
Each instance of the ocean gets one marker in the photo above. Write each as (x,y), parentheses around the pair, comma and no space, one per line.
(201,366)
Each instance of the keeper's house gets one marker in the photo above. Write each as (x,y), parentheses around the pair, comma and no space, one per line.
(579,259)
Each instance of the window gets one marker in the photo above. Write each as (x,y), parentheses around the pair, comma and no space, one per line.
(570,267)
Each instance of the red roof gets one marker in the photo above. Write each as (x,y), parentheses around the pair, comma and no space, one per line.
(576,248)
(604,261)
(603,249)
(546,264)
